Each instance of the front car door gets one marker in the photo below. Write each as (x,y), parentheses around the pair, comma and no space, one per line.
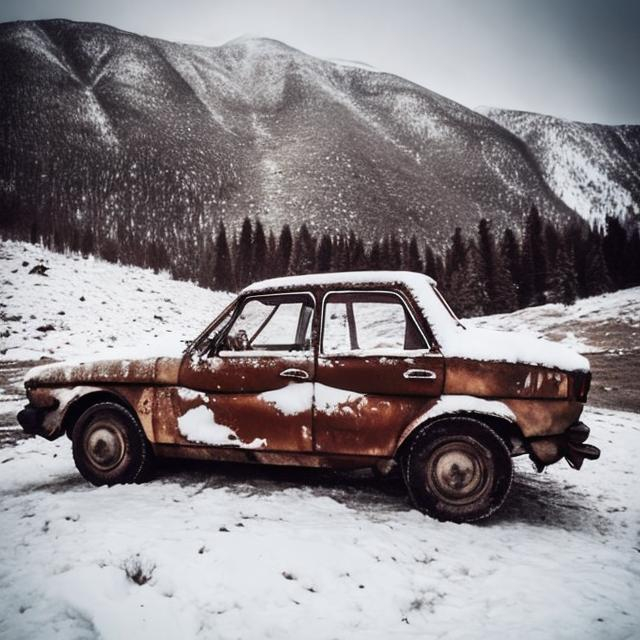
(251,387)
(375,372)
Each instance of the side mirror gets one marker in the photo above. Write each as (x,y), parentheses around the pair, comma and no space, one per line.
(238,341)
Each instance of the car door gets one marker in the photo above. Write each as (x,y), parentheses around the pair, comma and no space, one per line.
(255,390)
(375,372)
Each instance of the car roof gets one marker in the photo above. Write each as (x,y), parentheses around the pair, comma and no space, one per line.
(342,279)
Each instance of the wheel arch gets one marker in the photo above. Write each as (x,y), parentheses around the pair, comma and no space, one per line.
(80,404)
(504,426)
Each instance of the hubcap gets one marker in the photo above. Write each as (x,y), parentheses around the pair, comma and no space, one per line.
(457,472)
(104,446)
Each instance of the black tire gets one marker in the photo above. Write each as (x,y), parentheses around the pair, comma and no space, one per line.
(110,447)
(457,469)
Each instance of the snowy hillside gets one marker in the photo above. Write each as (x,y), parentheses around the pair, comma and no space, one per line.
(595,169)
(224,551)
(84,306)
(589,325)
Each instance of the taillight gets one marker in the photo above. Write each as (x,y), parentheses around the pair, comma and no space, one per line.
(581,384)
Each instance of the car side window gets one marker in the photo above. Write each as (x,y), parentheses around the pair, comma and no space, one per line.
(368,322)
(272,323)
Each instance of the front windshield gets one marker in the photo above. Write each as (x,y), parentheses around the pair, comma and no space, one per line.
(205,340)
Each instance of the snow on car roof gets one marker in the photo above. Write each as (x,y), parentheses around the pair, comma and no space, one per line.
(408,278)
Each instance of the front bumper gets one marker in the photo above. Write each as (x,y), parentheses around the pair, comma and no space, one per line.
(32,419)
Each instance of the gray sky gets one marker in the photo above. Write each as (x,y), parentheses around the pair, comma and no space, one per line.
(578,59)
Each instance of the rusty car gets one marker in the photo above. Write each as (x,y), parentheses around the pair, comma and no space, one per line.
(341,370)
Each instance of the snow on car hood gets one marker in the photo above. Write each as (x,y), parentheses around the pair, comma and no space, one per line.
(140,371)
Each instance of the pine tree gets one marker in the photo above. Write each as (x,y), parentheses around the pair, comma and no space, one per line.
(358,256)
(534,263)
(207,267)
(430,266)
(488,259)
(457,252)
(632,259)
(562,280)
(324,254)
(244,255)
(596,275)
(395,253)
(272,256)
(285,247)
(375,261)
(223,278)
(304,255)
(414,262)
(511,260)
(258,263)
(613,247)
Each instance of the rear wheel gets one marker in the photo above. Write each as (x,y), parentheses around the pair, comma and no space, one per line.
(110,447)
(457,469)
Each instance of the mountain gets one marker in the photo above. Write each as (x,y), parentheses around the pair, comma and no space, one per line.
(594,168)
(139,140)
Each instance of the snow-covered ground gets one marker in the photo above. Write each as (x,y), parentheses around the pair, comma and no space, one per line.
(273,554)
(217,551)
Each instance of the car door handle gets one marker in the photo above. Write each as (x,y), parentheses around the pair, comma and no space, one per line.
(420,374)
(299,374)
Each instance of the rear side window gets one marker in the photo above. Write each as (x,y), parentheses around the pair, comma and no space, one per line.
(368,321)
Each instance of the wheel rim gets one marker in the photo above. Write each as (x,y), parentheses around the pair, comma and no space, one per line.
(459,472)
(104,445)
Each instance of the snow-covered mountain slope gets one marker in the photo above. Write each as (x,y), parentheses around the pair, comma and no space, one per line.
(182,135)
(594,168)
(85,307)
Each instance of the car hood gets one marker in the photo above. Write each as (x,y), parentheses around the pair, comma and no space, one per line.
(509,346)
(114,371)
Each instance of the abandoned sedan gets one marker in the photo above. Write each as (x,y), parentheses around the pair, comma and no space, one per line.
(342,370)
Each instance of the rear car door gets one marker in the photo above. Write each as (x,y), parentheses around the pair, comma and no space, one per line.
(255,391)
(375,372)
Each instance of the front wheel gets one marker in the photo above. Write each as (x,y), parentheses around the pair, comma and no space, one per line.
(457,469)
(110,447)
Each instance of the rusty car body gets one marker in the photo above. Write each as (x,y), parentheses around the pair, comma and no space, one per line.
(349,370)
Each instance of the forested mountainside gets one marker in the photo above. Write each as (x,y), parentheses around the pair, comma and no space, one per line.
(594,168)
(141,142)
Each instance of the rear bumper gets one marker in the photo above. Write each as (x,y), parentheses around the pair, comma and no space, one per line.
(32,419)
(576,450)
(570,445)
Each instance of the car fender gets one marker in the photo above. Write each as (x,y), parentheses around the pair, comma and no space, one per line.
(459,405)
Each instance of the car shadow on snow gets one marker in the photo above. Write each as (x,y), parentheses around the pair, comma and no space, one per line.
(547,501)
(538,500)
(358,490)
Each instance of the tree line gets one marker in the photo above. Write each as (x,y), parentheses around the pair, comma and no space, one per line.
(479,274)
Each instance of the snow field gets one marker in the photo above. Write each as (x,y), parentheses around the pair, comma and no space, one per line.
(253,555)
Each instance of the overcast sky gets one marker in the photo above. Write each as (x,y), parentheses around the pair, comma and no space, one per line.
(578,59)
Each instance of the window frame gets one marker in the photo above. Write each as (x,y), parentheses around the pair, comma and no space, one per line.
(364,352)
(267,353)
